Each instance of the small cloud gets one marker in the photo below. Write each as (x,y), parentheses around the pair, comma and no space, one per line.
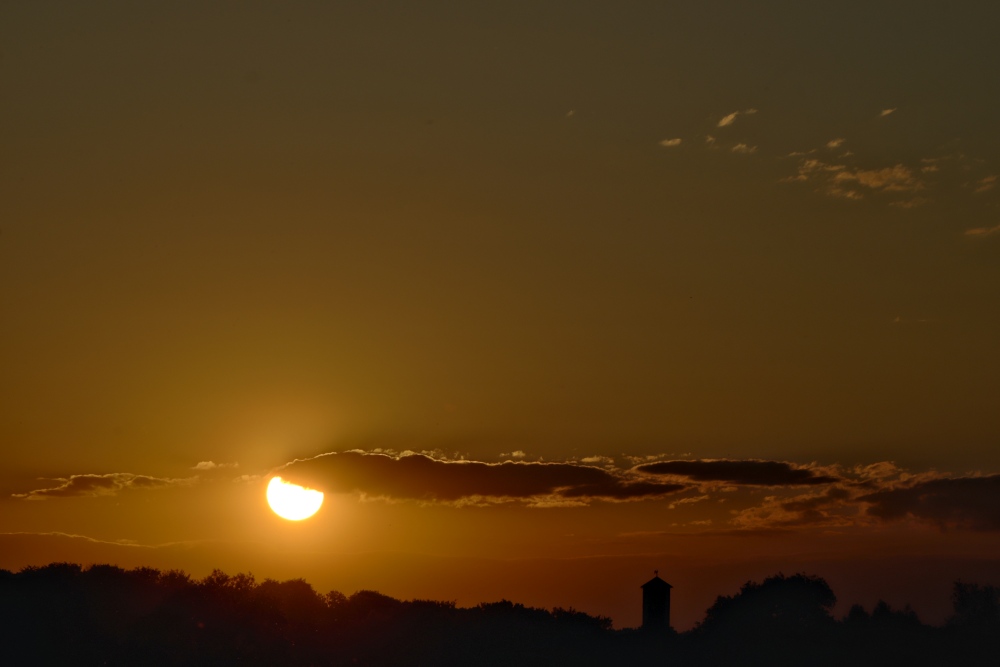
(982,232)
(728,120)
(929,169)
(570,113)
(744,149)
(886,112)
(710,140)
(811,168)
(986,184)
(890,179)
(835,143)
(880,470)
(212,465)
(670,143)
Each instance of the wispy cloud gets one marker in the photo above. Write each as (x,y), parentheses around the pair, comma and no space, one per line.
(812,168)
(100,485)
(85,538)
(690,500)
(752,472)
(889,179)
(829,508)
(981,232)
(212,465)
(839,180)
(850,175)
(986,184)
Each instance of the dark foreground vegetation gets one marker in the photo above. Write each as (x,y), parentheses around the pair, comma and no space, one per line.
(63,614)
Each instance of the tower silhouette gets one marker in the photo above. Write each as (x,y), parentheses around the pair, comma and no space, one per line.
(656,603)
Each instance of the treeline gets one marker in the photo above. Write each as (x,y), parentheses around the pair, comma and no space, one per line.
(64,614)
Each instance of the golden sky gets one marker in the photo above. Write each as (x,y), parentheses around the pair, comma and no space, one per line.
(543,296)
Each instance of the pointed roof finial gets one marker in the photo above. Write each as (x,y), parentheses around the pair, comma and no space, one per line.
(656,573)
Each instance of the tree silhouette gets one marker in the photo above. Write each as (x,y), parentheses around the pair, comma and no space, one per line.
(782,620)
(63,614)
(975,606)
(778,603)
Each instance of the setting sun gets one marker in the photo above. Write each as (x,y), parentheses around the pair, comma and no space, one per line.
(291,501)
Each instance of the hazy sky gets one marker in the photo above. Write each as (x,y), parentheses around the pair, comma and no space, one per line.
(736,266)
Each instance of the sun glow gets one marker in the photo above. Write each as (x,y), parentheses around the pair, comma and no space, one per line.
(291,501)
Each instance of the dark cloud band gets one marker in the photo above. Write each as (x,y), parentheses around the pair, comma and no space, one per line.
(748,472)
(419,477)
(962,502)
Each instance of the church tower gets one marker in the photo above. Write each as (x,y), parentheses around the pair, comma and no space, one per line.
(656,603)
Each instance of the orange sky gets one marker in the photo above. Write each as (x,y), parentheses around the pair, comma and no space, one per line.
(719,282)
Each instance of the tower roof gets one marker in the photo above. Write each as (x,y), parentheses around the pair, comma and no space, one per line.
(655,583)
